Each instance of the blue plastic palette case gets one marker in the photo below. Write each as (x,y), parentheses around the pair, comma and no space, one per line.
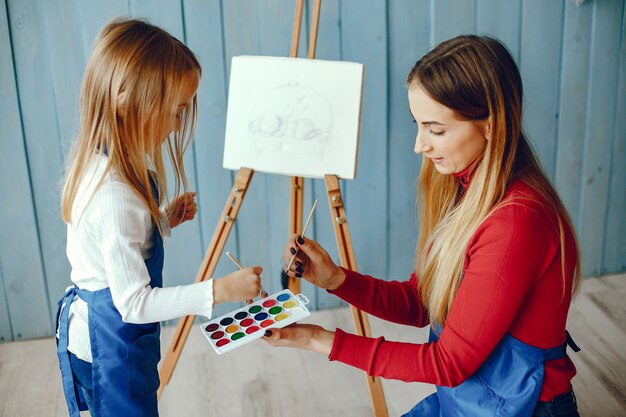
(248,323)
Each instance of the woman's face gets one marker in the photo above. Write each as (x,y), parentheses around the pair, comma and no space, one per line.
(450,142)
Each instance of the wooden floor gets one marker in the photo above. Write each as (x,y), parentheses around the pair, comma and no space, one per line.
(257,380)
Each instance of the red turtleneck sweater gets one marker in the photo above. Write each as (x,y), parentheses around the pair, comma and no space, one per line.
(512,284)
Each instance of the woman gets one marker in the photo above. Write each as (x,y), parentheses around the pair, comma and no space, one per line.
(497,259)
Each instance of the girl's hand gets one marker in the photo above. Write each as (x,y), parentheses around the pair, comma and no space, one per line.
(181,209)
(303,336)
(312,263)
(240,285)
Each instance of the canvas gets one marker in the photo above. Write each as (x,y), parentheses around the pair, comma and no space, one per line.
(294,116)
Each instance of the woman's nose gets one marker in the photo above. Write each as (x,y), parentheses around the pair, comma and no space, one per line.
(420,144)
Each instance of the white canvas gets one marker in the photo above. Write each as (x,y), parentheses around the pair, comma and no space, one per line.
(293,116)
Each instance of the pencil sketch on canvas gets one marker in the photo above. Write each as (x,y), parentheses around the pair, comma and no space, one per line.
(293,116)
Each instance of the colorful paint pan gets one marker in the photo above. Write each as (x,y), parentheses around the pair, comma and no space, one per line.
(248,323)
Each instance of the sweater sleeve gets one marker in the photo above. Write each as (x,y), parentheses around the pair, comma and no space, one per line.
(393,301)
(120,223)
(504,257)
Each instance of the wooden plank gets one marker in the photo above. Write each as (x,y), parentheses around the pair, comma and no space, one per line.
(501,19)
(328,47)
(184,251)
(6,333)
(28,299)
(615,235)
(573,104)
(451,18)
(602,100)
(203,31)
(366,196)
(542,24)
(95,14)
(67,63)
(253,230)
(163,13)
(409,39)
(9,119)
(275,24)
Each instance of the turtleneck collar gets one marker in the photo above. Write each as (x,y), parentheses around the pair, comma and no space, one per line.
(465,176)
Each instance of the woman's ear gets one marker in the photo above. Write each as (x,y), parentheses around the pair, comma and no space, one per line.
(487,127)
(121,105)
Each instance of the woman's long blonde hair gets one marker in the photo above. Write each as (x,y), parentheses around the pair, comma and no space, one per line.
(476,77)
(145,66)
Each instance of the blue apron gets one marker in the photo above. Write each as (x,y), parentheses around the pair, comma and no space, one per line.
(125,355)
(507,384)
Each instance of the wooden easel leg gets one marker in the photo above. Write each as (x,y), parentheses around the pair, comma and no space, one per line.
(295,220)
(213,253)
(348,261)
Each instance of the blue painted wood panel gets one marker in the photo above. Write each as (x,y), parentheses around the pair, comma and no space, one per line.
(42,143)
(329,47)
(602,100)
(24,305)
(573,105)
(409,38)
(572,62)
(203,30)
(540,51)
(615,233)
(367,215)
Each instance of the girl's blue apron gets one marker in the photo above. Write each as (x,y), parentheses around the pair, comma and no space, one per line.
(125,355)
(507,384)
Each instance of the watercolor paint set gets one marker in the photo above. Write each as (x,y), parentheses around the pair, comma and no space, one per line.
(248,323)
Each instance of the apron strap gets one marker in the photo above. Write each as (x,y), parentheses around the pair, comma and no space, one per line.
(74,405)
(570,342)
(559,351)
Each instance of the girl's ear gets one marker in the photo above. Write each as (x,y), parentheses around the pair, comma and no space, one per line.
(121,105)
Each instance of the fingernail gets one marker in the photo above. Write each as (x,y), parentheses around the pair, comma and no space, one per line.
(298,275)
(299,269)
(267,333)
(298,263)
(300,240)
(292,250)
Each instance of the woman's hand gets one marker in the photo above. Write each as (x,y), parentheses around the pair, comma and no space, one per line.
(181,209)
(240,285)
(303,336)
(312,263)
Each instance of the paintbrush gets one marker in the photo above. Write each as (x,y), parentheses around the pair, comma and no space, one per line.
(302,234)
(238,265)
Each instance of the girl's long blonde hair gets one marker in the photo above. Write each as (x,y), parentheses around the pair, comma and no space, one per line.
(144,66)
(477,78)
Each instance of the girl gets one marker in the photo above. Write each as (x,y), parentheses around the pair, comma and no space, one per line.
(497,259)
(138,92)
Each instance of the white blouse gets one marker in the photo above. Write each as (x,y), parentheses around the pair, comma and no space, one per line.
(110,236)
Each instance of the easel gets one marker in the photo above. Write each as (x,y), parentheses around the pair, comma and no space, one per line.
(229,215)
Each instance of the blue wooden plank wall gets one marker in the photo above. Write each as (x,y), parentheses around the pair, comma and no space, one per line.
(573,63)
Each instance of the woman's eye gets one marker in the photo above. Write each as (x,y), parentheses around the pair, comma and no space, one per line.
(432,132)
